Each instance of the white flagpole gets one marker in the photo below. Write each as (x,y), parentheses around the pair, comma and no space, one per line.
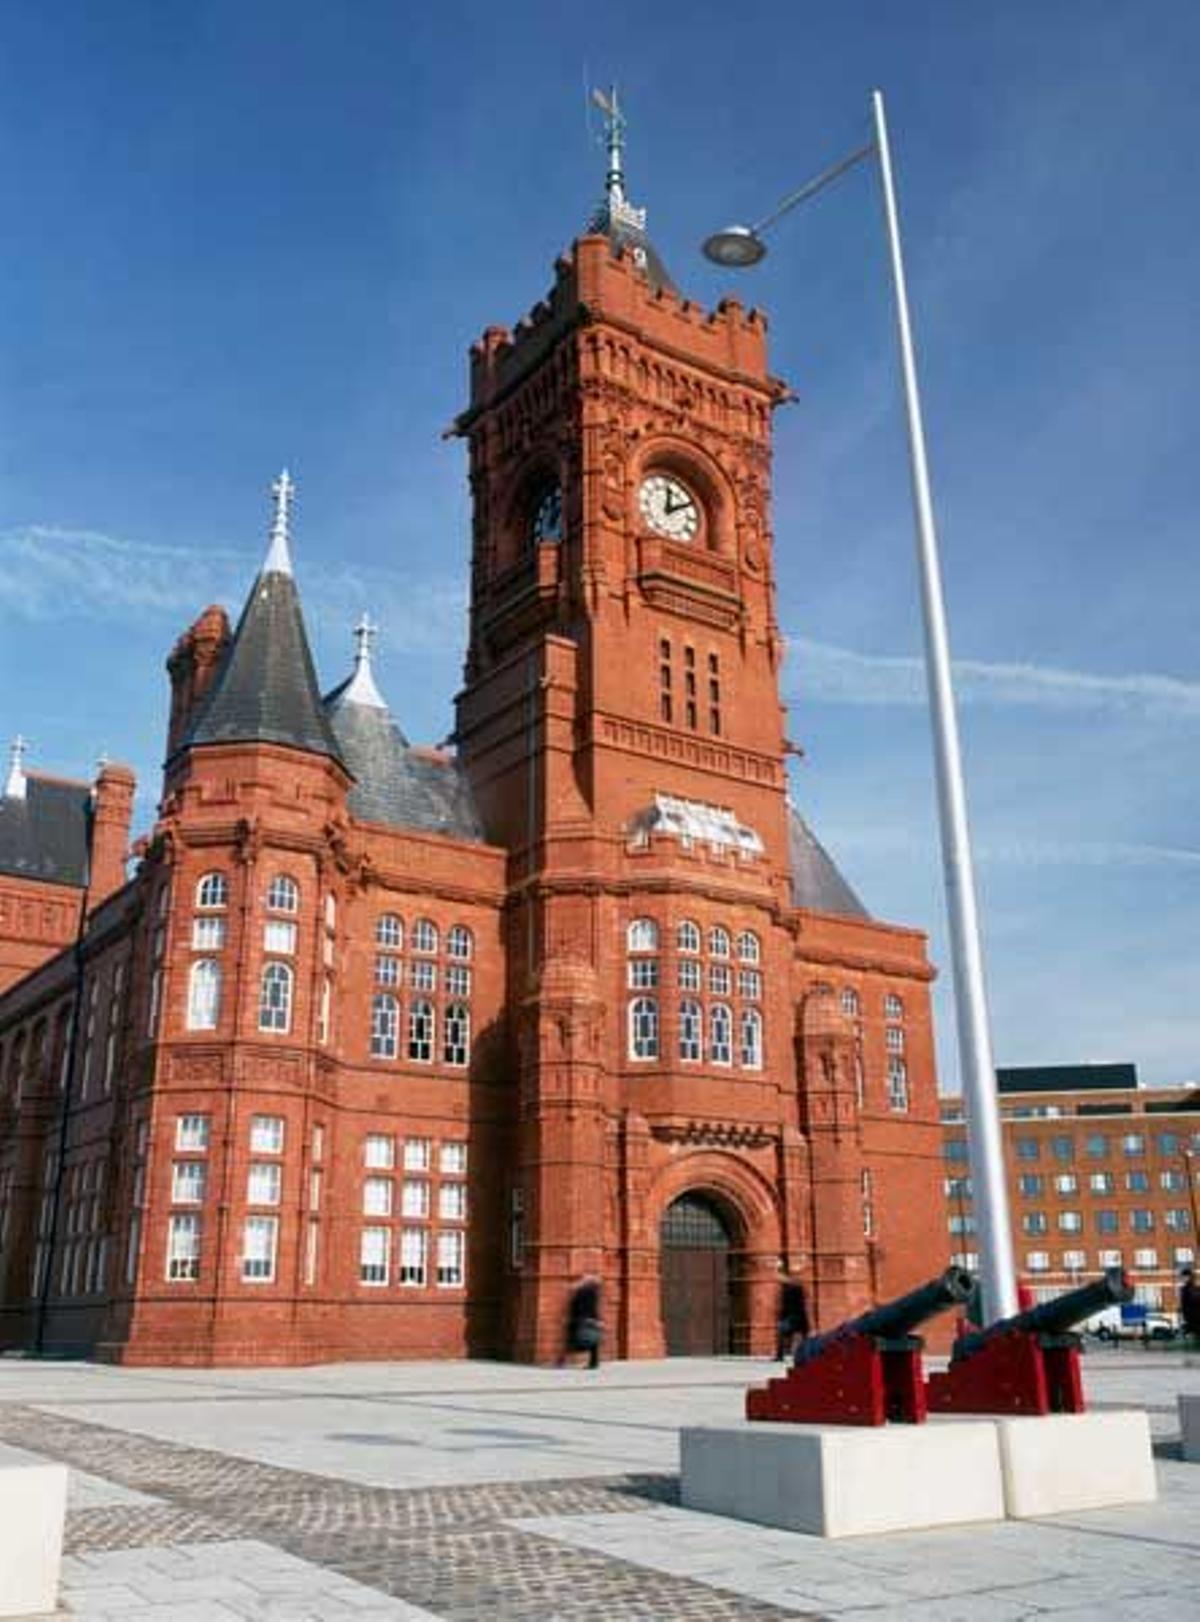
(974,1040)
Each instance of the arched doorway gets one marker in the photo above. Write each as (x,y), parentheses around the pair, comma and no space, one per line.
(694,1246)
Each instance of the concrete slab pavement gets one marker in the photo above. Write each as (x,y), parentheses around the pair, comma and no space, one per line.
(466,1490)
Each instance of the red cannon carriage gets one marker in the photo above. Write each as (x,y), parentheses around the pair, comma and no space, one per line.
(1026,1364)
(865,1372)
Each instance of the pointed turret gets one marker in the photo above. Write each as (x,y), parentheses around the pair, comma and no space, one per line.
(393,782)
(266,690)
(616,218)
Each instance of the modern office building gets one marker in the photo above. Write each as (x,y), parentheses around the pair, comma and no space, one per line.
(1101,1172)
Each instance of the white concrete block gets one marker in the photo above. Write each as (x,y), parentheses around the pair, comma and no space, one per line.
(33,1502)
(1189,1425)
(842,1481)
(1076,1461)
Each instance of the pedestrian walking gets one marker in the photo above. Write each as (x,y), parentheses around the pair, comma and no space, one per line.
(794,1325)
(1189,1303)
(585,1328)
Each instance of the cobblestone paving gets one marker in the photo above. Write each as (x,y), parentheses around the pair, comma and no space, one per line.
(448,1549)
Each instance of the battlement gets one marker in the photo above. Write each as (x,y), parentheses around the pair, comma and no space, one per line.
(594,283)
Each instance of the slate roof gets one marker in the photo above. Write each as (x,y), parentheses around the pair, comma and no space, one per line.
(816,883)
(266,690)
(45,835)
(632,240)
(394,783)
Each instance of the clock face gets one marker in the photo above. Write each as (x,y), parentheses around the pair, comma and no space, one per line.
(669,507)
(546,524)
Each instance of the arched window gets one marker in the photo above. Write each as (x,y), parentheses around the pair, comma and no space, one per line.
(752,1039)
(458,942)
(204,995)
(212,892)
(389,931)
(420,1030)
(750,984)
(687,936)
(643,1028)
(749,949)
(718,941)
(275,998)
(720,1034)
(642,935)
(893,1008)
(456,1034)
(283,894)
(691,1030)
(385,1026)
(850,1003)
(424,936)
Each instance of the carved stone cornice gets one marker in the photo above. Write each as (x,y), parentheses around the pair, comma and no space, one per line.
(715,1134)
(682,749)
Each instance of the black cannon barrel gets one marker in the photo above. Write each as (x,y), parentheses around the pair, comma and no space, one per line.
(1057,1316)
(898,1317)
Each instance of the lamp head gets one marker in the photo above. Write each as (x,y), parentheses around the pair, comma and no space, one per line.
(737,247)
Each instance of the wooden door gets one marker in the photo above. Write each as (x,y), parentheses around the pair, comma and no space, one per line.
(694,1265)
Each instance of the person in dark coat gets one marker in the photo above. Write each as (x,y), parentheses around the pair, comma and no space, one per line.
(1189,1303)
(585,1329)
(794,1325)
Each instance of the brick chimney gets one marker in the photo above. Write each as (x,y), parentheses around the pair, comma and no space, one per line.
(112,810)
(194,661)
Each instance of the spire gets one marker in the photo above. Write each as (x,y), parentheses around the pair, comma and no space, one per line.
(361,688)
(616,218)
(616,210)
(266,689)
(279,559)
(14,788)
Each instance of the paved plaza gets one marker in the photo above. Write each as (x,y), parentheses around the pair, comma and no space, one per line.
(489,1490)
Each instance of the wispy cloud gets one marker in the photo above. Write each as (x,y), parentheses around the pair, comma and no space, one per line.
(842,676)
(897,840)
(49,573)
(53,573)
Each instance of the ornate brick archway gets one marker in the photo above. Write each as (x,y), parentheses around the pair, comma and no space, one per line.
(743,1202)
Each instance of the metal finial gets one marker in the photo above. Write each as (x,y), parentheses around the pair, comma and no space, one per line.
(279,558)
(616,210)
(365,633)
(14,788)
(362,688)
(614,138)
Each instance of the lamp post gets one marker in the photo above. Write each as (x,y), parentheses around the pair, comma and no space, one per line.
(741,246)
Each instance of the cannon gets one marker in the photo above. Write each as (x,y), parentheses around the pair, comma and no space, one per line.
(1026,1364)
(866,1371)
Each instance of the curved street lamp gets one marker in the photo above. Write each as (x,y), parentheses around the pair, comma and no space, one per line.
(738,247)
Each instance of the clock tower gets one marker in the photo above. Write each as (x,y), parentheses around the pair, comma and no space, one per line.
(622,730)
(622,600)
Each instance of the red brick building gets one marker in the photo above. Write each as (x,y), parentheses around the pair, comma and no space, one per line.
(62,851)
(383,1046)
(1101,1173)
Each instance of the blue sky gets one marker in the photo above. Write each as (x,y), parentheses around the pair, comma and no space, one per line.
(244,234)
